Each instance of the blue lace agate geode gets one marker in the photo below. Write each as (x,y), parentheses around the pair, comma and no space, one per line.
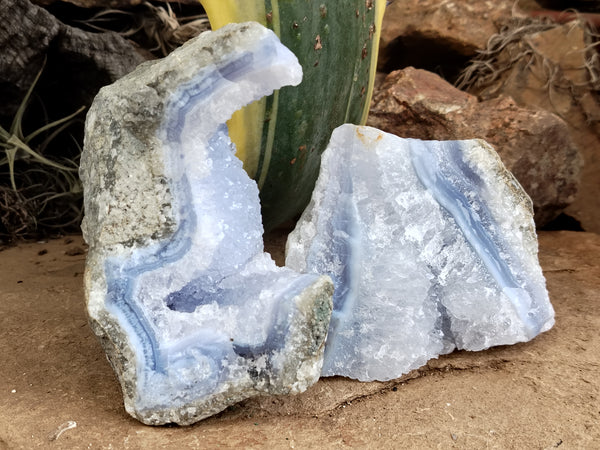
(431,246)
(192,314)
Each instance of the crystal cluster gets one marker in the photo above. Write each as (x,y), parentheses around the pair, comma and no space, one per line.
(431,246)
(192,314)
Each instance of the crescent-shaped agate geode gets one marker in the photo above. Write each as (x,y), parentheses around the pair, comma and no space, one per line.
(191,313)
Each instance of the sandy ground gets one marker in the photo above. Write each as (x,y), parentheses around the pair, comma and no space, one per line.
(543,394)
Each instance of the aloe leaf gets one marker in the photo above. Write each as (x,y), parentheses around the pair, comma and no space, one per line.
(281,138)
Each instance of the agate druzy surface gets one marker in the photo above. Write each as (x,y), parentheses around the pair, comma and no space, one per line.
(192,314)
(431,246)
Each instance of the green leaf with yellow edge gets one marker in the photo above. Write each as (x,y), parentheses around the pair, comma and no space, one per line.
(281,138)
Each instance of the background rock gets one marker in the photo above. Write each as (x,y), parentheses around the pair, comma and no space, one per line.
(78,62)
(534,144)
(442,35)
(557,68)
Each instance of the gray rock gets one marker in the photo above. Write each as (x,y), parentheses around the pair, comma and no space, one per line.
(431,246)
(79,63)
(192,314)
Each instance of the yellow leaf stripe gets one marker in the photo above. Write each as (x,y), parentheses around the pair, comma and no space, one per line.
(379,11)
(246,125)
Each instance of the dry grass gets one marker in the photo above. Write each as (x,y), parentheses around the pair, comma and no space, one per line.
(486,70)
(41,194)
(37,193)
(153,27)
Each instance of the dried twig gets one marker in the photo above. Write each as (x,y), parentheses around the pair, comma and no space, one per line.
(40,187)
(155,26)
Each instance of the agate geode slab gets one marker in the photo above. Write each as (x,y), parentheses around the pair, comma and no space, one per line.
(431,246)
(191,313)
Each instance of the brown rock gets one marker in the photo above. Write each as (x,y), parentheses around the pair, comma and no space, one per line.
(543,68)
(460,26)
(554,68)
(534,144)
(416,103)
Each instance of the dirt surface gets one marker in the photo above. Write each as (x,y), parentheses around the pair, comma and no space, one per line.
(58,391)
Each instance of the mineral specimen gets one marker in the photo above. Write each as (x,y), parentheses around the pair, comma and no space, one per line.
(431,246)
(191,313)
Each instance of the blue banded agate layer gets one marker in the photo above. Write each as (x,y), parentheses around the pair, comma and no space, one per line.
(431,246)
(192,314)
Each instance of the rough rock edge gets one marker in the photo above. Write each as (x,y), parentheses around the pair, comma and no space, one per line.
(503,183)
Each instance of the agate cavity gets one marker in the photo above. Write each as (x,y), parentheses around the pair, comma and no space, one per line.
(191,312)
(431,246)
